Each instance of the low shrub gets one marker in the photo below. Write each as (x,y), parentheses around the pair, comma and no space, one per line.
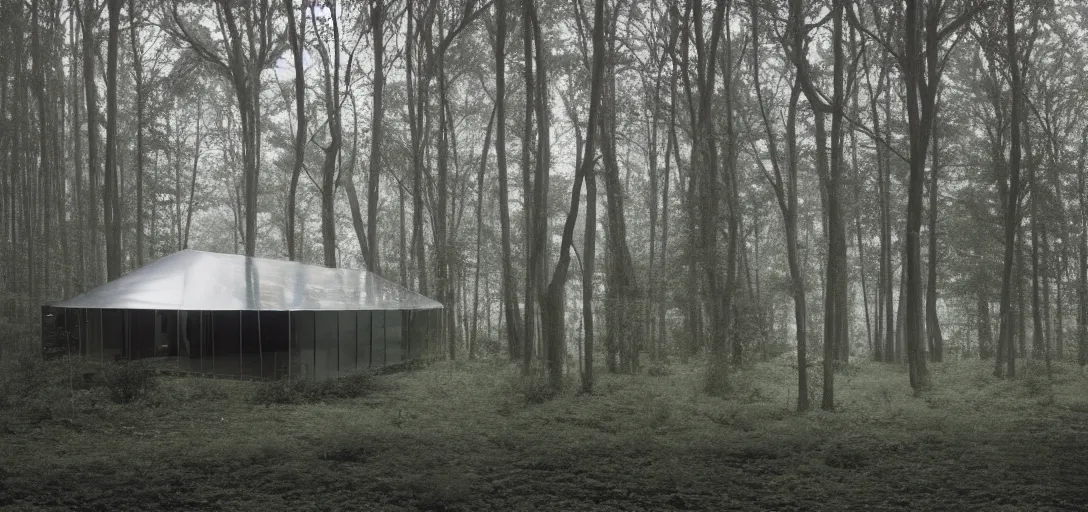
(299,391)
(658,370)
(535,388)
(128,381)
(23,378)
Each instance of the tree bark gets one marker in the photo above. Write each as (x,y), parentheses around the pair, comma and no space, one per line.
(377,28)
(510,301)
(297,39)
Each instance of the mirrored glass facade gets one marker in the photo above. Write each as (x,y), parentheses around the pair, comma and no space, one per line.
(217,314)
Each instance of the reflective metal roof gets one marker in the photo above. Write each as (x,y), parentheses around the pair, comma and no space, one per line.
(208,281)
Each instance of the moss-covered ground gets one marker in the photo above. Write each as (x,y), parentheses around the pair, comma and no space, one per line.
(461,436)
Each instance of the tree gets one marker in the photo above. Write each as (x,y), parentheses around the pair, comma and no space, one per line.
(921,63)
(553,310)
(297,38)
(247,49)
(511,311)
(785,191)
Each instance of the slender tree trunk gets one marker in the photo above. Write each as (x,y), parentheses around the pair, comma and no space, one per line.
(90,48)
(1011,216)
(192,181)
(479,237)
(985,335)
(138,67)
(112,200)
(296,38)
(377,28)
(933,324)
(589,263)
(553,307)
(332,152)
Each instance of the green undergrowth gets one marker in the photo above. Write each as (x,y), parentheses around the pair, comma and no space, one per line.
(478,436)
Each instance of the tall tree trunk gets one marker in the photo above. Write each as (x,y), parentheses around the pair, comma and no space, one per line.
(332,151)
(553,307)
(77,157)
(786,194)
(138,69)
(296,38)
(192,181)
(1012,219)
(90,48)
(479,236)
(985,334)
(510,300)
(933,324)
(112,200)
(377,28)
(589,263)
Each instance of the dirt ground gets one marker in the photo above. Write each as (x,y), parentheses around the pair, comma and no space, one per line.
(460,436)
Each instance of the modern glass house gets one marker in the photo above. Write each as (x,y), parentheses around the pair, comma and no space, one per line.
(230,315)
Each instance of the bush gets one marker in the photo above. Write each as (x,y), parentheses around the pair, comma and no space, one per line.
(286,391)
(535,388)
(128,381)
(658,369)
(23,378)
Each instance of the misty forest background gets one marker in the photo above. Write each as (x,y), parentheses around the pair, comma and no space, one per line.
(584,185)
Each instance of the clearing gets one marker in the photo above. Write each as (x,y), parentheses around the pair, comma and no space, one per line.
(461,436)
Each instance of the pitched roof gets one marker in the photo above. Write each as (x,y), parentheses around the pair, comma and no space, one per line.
(208,281)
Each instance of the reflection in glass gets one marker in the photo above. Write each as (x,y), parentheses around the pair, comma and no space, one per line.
(252,357)
(326,354)
(362,338)
(94,334)
(394,335)
(346,341)
(275,333)
(114,334)
(302,322)
(141,334)
(226,349)
(377,339)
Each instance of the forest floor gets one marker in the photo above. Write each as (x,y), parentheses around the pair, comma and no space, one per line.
(460,436)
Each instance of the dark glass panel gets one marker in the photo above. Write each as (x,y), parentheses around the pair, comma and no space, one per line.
(226,349)
(274,343)
(377,339)
(142,333)
(362,338)
(250,343)
(347,341)
(394,335)
(113,334)
(302,322)
(326,354)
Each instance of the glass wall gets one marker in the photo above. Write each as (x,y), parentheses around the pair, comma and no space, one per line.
(394,335)
(249,343)
(267,344)
(347,341)
(362,338)
(195,342)
(113,334)
(326,337)
(302,323)
(94,334)
(71,330)
(275,343)
(417,330)
(377,339)
(225,342)
(141,334)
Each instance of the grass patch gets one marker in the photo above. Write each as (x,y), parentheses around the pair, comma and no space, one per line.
(301,391)
(467,436)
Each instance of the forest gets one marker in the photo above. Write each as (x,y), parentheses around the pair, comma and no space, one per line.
(693,254)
